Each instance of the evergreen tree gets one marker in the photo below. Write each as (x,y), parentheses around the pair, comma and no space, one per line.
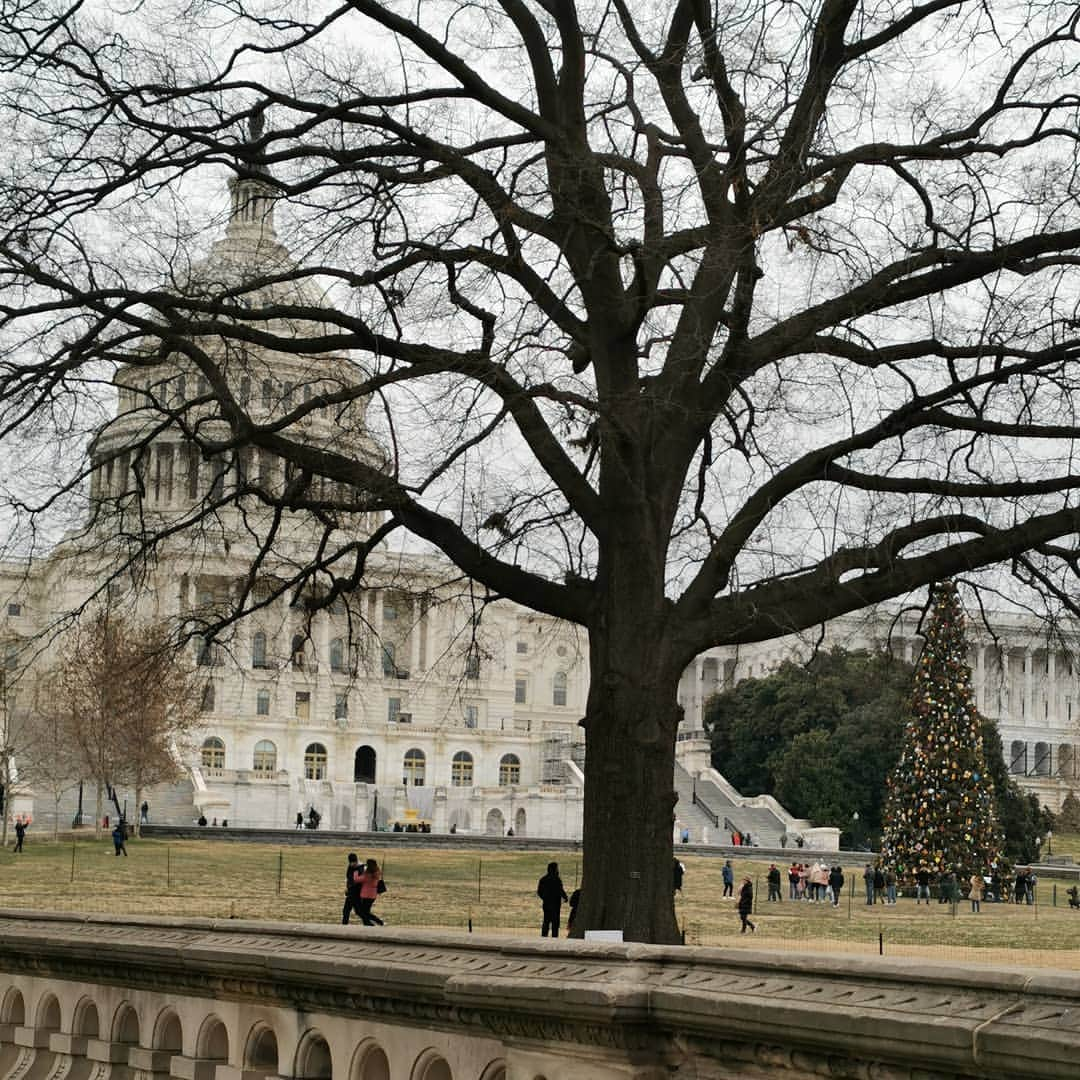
(940,806)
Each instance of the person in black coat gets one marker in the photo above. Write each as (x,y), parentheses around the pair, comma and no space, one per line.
(746,905)
(352,889)
(552,894)
(836,883)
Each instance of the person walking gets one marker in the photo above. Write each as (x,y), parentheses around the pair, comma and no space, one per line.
(868,881)
(352,889)
(793,882)
(774,882)
(118,839)
(746,905)
(879,883)
(728,875)
(367,882)
(552,894)
(20,835)
(144,813)
(975,896)
(299,819)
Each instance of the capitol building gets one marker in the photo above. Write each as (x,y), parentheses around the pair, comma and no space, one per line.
(410,697)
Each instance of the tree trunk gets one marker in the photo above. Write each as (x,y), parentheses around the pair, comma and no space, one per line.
(99,806)
(138,808)
(630,730)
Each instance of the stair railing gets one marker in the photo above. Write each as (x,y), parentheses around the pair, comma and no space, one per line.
(705,808)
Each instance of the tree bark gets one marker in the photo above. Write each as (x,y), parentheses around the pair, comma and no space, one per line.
(630,727)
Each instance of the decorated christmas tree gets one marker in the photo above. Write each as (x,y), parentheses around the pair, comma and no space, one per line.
(939,809)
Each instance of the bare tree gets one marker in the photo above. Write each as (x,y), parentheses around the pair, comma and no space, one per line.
(49,760)
(690,324)
(125,704)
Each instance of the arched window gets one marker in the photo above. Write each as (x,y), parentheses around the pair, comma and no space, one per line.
(262,703)
(264,760)
(208,696)
(461,769)
(558,688)
(1042,759)
(258,650)
(213,753)
(414,768)
(337,655)
(315,762)
(1018,757)
(1065,761)
(509,770)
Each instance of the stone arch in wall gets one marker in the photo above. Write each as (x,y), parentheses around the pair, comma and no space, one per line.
(48,1013)
(1018,757)
(1066,761)
(13,1010)
(212,1043)
(86,1022)
(261,1051)
(370,1062)
(494,825)
(313,1060)
(364,765)
(460,820)
(496,1070)
(125,1025)
(431,1065)
(168,1032)
(520,821)
(1042,759)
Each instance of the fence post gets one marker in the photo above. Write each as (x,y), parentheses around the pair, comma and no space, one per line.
(1055,892)
(280,869)
(168,867)
(72,860)
(479,871)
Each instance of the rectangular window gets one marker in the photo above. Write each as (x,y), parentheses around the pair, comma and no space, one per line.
(262,703)
(472,716)
(14,609)
(303,704)
(521,691)
(192,472)
(389,611)
(393,709)
(522,647)
(341,706)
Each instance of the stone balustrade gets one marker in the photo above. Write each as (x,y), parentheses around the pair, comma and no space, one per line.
(142,999)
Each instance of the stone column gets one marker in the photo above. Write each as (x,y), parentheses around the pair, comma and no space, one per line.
(980,678)
(1029,687)
(414,637)
(1052,687)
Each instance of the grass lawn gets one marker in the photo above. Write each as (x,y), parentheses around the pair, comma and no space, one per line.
(497,892)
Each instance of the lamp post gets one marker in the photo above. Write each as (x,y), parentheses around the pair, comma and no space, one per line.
(1049,839)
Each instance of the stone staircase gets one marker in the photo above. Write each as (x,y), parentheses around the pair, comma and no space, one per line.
(170,804)
(761,823)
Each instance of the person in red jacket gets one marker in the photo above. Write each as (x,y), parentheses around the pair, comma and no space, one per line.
(367,882)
